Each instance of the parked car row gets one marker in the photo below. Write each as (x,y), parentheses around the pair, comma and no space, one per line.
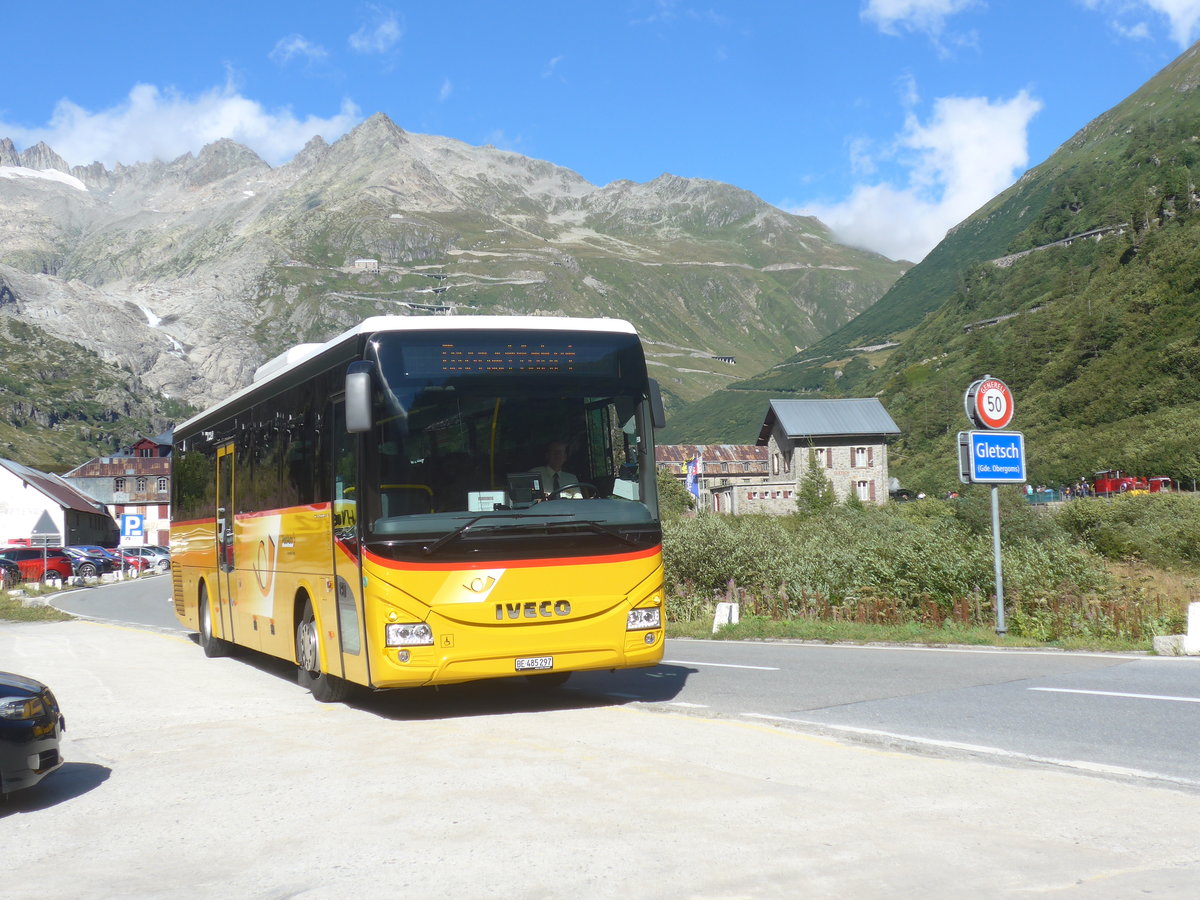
(31,564)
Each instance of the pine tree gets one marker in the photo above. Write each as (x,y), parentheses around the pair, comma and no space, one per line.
(814,494)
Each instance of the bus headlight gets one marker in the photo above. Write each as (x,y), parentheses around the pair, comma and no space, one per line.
(641,619)
(408,634)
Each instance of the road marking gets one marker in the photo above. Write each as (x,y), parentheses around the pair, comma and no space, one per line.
(1118,694)
(689,705)
(685,662)
(999,752)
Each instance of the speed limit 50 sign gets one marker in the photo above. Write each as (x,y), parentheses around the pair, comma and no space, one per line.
(989,403)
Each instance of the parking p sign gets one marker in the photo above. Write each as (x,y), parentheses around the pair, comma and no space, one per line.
(132,525)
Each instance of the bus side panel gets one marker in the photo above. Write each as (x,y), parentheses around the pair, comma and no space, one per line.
(193,563)
(283,556)
(484,619)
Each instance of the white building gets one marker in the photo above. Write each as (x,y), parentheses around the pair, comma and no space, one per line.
(29,498)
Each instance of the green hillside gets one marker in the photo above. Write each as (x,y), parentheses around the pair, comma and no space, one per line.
(1098,338)
(60,405)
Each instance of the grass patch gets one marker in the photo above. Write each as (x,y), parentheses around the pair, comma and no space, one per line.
(757,628)
(13,610)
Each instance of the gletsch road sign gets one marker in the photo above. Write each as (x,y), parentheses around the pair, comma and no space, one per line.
(989,403)
(991,457)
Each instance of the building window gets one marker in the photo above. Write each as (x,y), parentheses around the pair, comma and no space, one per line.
(141,484)
(860,457)
(162,485)
(787,495)
(774,463)
(119,485)
(864,491)
(145,451)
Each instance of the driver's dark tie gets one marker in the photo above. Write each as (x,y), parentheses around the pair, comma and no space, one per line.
(555,481)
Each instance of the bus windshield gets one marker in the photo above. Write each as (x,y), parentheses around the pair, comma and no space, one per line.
(483,438)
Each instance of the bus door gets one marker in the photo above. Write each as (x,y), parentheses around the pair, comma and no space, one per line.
(223,618)
(345,604)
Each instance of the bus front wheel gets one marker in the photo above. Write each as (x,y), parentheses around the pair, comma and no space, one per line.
(212,645)
(325,688)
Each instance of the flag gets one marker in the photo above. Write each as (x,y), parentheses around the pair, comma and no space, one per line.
(693,476)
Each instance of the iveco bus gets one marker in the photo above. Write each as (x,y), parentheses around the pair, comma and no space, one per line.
(371,507)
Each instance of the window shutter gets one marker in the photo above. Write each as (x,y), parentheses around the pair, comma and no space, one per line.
(870,456)
(829,457)
(872,491)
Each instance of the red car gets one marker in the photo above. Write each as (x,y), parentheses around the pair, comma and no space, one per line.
(40,564)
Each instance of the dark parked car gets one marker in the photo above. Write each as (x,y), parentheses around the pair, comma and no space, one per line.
(121,559)
(40,563)
(89,565)
(31,727)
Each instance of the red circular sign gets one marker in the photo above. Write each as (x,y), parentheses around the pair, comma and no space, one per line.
(990,403)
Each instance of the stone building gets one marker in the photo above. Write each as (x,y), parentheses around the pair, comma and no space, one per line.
(718,466)
(135,483)
(848,438)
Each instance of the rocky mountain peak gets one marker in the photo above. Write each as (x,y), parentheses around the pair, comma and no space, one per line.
(40,156)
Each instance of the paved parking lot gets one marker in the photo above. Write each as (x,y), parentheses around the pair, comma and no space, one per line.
(190,777)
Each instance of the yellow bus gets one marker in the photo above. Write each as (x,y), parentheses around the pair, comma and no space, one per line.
(382,510)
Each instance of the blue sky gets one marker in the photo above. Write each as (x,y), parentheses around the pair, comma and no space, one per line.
(891,120)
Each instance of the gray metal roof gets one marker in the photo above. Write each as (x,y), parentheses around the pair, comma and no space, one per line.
(827,418)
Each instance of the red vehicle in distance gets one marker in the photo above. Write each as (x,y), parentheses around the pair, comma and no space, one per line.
(1114,481)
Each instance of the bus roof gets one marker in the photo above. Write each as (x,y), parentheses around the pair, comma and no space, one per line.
(295,356)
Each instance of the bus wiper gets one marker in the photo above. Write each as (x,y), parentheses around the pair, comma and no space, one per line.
(453,535)
(467,526)
(599,529)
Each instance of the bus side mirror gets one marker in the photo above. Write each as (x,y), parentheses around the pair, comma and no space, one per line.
(358,397)
(657,414)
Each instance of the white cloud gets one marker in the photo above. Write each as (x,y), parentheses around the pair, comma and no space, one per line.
(378,36)
(971,149)
(153,123)
(288,48)
(1183,17)
(445,90)
(926,16)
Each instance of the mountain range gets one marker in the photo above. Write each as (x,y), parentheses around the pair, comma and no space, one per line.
(130,295)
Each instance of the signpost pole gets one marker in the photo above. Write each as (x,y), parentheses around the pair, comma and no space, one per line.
(1000,628)
(995,457)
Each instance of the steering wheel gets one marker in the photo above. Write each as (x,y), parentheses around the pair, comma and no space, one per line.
(582,486)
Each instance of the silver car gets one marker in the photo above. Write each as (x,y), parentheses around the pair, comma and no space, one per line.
(157,557)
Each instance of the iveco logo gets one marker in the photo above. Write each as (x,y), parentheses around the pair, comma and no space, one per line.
(532,609)
(480,585)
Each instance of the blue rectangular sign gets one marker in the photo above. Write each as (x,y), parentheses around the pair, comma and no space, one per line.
(132,525)
(992,457)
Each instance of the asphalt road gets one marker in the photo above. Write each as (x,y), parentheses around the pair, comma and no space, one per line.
(194,778)
(1125,715)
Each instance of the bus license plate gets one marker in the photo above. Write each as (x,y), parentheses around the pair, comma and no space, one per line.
(533,663)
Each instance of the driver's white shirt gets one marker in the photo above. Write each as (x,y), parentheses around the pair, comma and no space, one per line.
(564,478)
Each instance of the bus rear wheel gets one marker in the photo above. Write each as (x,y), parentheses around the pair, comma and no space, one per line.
(325,688)
(212,645)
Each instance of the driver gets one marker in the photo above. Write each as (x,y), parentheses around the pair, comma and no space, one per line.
(554,479)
